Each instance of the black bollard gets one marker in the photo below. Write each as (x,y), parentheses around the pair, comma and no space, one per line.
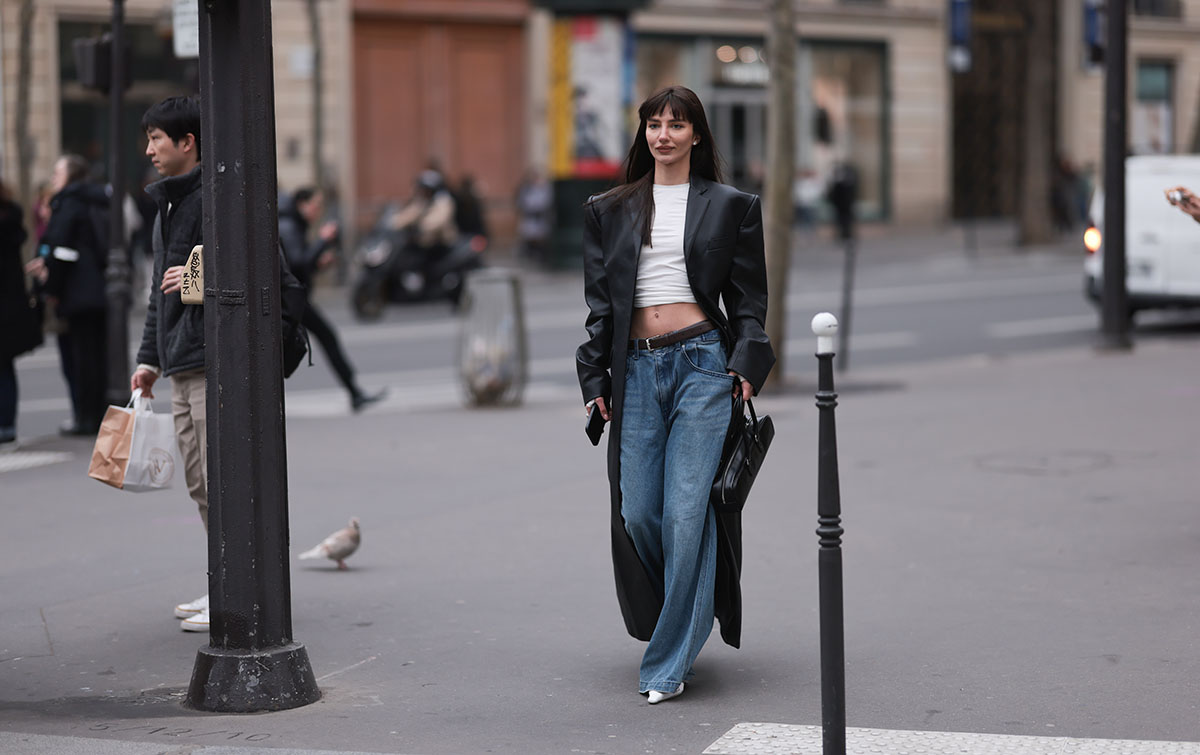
(251,662)
(829,558)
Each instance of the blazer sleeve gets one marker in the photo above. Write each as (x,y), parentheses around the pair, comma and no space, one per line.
(592,359)
(745,297)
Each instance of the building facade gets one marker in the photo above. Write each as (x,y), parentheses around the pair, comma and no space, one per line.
(476,88)
(62,116)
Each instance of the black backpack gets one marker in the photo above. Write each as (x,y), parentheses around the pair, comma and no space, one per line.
(293,301)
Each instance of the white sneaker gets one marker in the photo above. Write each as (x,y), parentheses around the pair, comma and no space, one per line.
(199,605)
(655,697)
(197,623)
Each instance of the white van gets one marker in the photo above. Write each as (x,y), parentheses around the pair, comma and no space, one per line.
(1162,244)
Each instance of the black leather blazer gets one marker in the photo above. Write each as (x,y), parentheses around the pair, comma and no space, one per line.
(723,249)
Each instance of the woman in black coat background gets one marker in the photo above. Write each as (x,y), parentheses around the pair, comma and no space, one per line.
(661,253)
(14,304)
(75,253)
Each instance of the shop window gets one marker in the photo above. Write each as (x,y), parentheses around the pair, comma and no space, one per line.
(659,63)
(1151,127)
(848,119)
(1165,8)
(84,114)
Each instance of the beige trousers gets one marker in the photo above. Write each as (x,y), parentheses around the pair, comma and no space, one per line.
(187,406)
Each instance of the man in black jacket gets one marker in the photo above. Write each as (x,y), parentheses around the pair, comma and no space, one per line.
(305,259)
(173,337)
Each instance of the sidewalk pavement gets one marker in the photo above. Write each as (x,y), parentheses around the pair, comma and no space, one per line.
(1020,560)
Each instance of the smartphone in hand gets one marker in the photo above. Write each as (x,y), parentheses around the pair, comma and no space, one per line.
(595,425)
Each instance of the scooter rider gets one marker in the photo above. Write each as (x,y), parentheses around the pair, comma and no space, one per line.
(430,216)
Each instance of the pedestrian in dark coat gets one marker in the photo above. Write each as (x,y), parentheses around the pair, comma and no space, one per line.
(660,252)
(14,307)
(306,258)
(75,255)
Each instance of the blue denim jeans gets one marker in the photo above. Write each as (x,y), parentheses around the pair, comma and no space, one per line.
(675,414)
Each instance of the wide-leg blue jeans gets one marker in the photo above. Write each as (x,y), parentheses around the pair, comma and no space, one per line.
(675,414)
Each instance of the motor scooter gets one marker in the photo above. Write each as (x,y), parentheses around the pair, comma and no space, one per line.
(394,269)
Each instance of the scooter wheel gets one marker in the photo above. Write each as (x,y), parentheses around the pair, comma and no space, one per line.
(368,302)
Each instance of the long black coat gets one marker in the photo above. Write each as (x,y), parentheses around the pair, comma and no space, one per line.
(723,249)
(14,300)
(78,253)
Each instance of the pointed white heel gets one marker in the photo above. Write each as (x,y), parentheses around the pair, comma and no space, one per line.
(655,697)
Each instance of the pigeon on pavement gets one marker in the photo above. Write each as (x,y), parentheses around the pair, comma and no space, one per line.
(338,546)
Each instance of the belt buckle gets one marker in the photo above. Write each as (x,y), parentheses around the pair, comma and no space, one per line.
(649,345)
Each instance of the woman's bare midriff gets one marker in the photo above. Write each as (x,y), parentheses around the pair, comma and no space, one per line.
(663,318)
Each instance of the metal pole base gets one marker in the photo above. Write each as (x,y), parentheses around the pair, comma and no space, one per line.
(252,681)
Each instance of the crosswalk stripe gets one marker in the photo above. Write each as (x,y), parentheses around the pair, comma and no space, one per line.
(761,738)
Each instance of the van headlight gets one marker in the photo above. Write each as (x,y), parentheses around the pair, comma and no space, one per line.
(1092,238)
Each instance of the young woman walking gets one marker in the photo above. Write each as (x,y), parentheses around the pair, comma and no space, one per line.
(661,361)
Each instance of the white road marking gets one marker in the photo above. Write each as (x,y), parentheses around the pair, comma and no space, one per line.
(351,667)
(1043,326)
(758,739)
(12,461)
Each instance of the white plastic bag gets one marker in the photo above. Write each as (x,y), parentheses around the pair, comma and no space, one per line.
(153,454)
(135,449)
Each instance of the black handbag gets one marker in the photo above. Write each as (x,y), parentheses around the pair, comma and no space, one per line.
(26,334)
(746,445)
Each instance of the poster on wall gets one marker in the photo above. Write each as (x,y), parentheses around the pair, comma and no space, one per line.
(590,84)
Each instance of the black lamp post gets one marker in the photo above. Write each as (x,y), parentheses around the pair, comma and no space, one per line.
(1114,307)
(117,286)
(252,663)
(829,558)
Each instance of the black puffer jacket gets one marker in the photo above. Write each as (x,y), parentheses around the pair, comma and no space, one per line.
(76,254)
(173,338)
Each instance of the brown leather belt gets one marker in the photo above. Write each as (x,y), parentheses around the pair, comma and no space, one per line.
(672,338)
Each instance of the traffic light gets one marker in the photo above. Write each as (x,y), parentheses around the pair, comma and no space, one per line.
(93,62)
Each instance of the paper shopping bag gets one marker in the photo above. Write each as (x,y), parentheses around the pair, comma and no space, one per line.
(110,455)
(153,453)
(135,449)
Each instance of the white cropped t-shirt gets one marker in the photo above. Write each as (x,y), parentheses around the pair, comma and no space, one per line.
(662,272)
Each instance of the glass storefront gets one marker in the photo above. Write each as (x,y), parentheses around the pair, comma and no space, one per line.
(156,74)
(842,107)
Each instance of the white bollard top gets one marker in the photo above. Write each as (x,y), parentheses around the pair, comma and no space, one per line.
(825,327)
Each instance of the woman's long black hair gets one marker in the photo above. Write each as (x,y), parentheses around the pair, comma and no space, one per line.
(637,190)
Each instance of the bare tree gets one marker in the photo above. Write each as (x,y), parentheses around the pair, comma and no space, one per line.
(318,93)
(1037,178)
(781,159)
(24,77)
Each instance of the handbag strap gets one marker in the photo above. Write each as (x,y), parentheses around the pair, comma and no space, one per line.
(753,415)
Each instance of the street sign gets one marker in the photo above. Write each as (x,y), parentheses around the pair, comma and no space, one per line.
(185,23)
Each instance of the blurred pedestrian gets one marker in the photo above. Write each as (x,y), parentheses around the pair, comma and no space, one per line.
(842,195)
(41,209)
(173,335)
(469,216)
(14,312)
(306,208)
(429,217)
(669,391)
(73,253)
(535,210)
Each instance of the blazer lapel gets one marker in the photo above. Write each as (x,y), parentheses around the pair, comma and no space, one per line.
(696,207)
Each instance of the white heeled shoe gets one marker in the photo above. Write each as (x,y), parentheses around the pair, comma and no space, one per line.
(655,697)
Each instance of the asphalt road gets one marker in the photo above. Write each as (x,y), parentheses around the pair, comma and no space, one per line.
(914,301)
(1020,545)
